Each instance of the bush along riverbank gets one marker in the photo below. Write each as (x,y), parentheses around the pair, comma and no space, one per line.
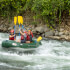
(52,16)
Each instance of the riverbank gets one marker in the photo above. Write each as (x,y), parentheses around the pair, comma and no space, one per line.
(44,31)
(62,32)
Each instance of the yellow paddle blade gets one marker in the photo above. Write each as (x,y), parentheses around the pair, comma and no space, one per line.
(39,39)
(19,20)
(15,20)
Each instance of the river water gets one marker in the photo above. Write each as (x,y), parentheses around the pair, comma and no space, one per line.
(51,55)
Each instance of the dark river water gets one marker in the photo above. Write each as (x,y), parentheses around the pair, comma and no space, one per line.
(51,55)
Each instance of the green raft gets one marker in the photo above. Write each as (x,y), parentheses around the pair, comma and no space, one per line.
(10,43)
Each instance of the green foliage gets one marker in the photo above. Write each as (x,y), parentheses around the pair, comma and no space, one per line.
(11,7)
(34,23)
(47,10)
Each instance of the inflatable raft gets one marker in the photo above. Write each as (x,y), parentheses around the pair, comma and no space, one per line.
(10,43)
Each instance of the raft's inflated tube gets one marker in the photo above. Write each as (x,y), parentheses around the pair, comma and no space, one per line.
(10,43)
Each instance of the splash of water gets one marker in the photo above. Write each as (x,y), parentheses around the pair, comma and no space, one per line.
(52,55)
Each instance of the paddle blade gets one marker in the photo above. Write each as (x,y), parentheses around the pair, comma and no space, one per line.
(39,39)
(19,20)
(15,20)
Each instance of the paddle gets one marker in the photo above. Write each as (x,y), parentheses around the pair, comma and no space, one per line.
(39,39)
(19,22)
(22,23)
(15,22)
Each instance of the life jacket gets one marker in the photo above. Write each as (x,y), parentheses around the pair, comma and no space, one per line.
(11,38)
(32,34)
(22,37)
(28,38)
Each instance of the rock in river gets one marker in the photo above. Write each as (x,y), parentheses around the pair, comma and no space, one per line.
(50,33)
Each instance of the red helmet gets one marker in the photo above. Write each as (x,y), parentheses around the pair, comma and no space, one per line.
(12,31)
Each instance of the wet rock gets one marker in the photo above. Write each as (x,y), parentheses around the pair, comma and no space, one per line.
(63,36)
(69,33)
(56,33)
(40,29)
(66,37)
(4,29)
(68,23)
(11,24)
(66,32)
(43,35)
(61,29)
(32,27)
(10,28)
(34,31)
(61,33)
(46,29)
(1,27)
(50,33)
(55,37)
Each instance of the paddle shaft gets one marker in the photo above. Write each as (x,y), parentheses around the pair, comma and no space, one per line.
(19,31)
(23,27)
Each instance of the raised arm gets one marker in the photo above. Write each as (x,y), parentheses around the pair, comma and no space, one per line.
(21,33)
(11,36)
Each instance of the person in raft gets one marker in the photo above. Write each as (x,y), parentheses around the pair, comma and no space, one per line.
(29,36)
(23,36)
(12,36)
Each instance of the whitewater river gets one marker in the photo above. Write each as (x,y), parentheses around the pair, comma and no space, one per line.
(52,55)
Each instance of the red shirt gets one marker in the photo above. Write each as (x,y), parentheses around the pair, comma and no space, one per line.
(22,37)
(11,38)
(32,34)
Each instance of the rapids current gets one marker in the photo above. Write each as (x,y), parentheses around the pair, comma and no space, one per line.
(51,55)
